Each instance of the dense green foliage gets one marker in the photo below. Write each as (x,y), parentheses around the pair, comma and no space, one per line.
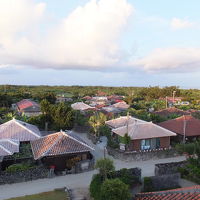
(19,167)
(95,186)
(114,189)
(192,170)
(105,166)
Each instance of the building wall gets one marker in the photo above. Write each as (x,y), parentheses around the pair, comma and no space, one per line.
(164,143)
(136,145)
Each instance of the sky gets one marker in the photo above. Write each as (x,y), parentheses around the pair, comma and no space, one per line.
(100,42)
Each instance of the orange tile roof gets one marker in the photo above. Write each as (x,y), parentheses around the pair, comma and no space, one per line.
(58,144)
(170,111)
(187,193)
(188,123)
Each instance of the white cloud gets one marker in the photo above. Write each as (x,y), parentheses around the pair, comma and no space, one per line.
(177,23)
(170,60)
(86,37)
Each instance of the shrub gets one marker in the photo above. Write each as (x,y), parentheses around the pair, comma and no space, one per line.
(105,166)
(114,189)
(125,176)
(95,186)
(148,187)
(19,167)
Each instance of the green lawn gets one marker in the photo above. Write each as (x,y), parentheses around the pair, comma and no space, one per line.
(53,195)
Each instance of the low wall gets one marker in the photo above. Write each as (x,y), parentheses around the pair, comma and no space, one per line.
(168,168)
(143,155)
(165,181)
(85,165)
(28,175)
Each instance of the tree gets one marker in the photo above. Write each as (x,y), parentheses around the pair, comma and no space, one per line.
(114,189)
(96,121)
(63,116)
(105,165)
(95,186)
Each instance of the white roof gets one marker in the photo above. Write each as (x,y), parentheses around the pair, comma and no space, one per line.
(121,105)
(8,147)
(81,106)
(143,130)
(19,130)
(122,121)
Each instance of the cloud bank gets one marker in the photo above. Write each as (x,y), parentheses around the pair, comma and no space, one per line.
(170,60)
(86,38)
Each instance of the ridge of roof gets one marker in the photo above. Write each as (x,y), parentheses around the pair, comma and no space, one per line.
(79,141)
(51,146)
(19,123)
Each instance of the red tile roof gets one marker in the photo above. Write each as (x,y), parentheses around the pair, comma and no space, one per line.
(170,111)
(187,193)
(188,123)
(26,103)
(58,144)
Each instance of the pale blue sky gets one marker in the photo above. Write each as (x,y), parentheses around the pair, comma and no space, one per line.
(155,43)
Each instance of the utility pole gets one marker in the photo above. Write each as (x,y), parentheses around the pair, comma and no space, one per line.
(166,102)
(184,129)
(173,94)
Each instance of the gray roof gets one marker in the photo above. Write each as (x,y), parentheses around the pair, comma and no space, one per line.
(19,130)
(8,147)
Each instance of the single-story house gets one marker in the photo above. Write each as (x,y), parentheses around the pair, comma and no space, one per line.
(171,111)
(59,149)
(19,130)
(122,121)
(184,125)
(121,105)
(27,107)
(143,135)
(186,193)
(82,106)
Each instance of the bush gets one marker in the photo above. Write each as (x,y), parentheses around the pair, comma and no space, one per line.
(148,187)
(114,189)
(19,167)
(125,176)
(105,166)
(95,186)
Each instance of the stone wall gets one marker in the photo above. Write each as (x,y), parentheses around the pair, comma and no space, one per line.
(168,168)
(165,181)
(142,155)
(28,175)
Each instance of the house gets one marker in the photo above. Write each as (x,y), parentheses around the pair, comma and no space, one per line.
(8,147)
(185,125)
(27,107)
(186,193)
(171,111)
(122,121)
(60,148)
(82,106)
(144,135)
(121,105)
(19,130)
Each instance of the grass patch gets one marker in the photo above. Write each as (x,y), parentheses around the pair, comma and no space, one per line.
(53,195)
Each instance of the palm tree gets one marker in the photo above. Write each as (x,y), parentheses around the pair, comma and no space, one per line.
(96,121)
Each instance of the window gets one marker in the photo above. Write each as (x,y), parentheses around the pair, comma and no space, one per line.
(153,143)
